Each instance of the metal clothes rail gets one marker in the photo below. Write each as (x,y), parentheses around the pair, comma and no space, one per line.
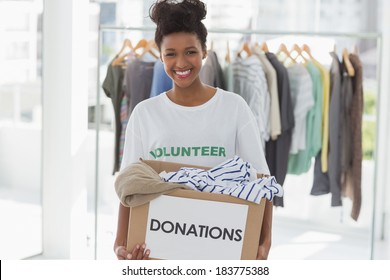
(353,35)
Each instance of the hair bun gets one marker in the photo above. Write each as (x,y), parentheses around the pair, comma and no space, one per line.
(179,16)
(186,12)
(195,9)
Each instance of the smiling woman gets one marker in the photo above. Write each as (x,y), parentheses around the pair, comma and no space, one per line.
(180,124)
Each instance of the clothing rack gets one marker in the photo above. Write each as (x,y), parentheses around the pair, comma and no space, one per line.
(347,35)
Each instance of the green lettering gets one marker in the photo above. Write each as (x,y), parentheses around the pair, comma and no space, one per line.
(166,154)
(196,150)
(205,151)
(185,151)
(152,153)
(177,151)
(214,151)
(222,152)
(159,152)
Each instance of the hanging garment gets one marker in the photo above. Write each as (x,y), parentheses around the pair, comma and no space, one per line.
(250,83)
(211,73)
(161,82)
(124,116)
(352,178)
(112,86)
(139,76)
(346,128)
(301,87)
(301,162)
(228,75)
(335,111)
(330,181)
(272,83)
(325,76)
(277,151)
(233,177)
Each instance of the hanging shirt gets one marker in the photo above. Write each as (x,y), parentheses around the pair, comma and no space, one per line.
(330,181)
(277,151)
(229,76)
(139,76)
(161,82)
(325,76)
(353,177)
(250,82)
(270,74)
(346,129)
(203,135)
(301,162)
(124,116)
(301,87)
(211,73)
(112,86)
(233,177)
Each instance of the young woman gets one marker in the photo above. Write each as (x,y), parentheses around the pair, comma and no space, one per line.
(209,124)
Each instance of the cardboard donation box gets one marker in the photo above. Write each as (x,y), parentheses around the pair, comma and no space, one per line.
(186,224)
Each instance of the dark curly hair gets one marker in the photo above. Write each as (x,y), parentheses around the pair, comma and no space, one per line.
(173,16)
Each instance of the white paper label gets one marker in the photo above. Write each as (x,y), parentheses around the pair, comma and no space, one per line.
(184,228)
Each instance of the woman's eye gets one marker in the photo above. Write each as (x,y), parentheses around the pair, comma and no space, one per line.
(191,52)
(170,54)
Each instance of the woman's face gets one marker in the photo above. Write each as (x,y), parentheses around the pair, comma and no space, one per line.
(182,56)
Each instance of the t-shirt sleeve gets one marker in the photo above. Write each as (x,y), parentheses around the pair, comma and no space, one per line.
(248,144)
(108,83)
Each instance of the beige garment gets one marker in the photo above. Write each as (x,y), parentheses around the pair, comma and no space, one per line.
(270,74)
(139,183)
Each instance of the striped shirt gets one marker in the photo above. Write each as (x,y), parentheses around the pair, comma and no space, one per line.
(233,177)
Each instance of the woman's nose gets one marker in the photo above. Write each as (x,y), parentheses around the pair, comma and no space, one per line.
(181,61)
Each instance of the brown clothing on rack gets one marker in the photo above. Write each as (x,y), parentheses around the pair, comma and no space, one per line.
(351,182)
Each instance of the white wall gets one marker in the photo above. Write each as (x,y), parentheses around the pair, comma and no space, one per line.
(65,114)
(20,161)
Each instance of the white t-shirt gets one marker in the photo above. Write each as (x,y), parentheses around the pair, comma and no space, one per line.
(204,135)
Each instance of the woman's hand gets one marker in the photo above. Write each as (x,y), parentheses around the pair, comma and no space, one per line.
(138,253)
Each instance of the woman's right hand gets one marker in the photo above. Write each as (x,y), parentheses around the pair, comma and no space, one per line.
(138,252)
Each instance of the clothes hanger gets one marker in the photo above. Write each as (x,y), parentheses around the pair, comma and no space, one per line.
(245,48)
(258,48)
(141,44)
(126,44)
(264,47)
(148,48)
(119,56)
(298,51)
(306,49)
(347,63)
(283,49)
